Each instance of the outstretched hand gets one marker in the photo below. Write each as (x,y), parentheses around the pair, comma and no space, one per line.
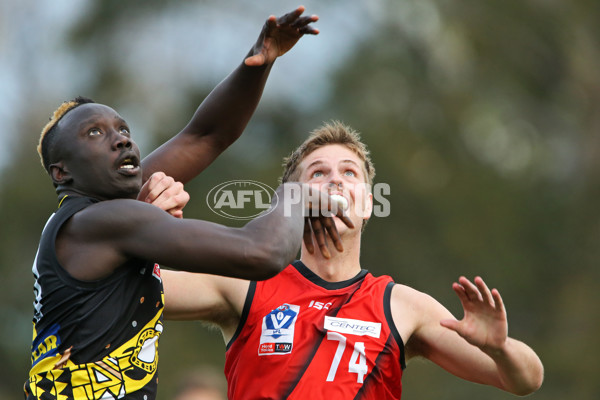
(279,35)
(320,210)
(165,193)
(484,323)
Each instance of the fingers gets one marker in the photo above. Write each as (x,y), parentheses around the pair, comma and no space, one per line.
(341,214)
(307,236)
(290,17)
(320,210)
(304,27)
(483,289)
(176,213)
(319,233)
(155,185)
(294,20)
(333,234)
(271,24)
(471,290)
(460,292)
(451,324)
(150,183)
(255,60)
(478,292)
(165,193)
(498,301)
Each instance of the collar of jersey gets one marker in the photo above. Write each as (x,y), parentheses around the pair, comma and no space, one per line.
(317,280)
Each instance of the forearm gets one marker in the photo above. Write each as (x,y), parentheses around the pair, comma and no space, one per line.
(216,124)
(520,370)
(228,108)
(277,235)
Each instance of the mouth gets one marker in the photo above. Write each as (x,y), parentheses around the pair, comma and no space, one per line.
(341,200)
(129,165)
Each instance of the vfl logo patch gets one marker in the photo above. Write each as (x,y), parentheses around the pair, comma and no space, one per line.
(353,326)
(277,336)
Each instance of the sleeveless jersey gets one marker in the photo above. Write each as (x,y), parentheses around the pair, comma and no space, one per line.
(301,337)
(93,340)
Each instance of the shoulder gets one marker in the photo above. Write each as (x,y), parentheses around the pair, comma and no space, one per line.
(116,213)
(418,316)
(412,309)
(110,218)
(424,306)
(403,295)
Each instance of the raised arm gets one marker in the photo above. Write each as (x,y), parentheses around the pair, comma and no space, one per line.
(224,114)
(476,348)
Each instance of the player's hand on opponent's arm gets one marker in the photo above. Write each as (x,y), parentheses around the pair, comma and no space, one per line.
(484,323)
(279,35)
(320,209)
(165,193)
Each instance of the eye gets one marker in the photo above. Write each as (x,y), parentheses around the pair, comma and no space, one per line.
(94,132)
(349,173)
(317,174)
(124,131)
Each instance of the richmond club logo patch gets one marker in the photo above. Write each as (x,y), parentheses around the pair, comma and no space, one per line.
(277,336)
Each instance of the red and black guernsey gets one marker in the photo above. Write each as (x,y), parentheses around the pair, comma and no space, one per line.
(301,337)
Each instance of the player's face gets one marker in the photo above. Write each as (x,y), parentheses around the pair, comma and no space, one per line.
(98,153)
(336,169)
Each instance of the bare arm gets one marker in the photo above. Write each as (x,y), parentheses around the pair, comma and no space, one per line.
(481,353)
(224,114)
(210,298)
(104,236)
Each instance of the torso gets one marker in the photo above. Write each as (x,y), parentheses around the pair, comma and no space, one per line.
(301,337)
(93,339)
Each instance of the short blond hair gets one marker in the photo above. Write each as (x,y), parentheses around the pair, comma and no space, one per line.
(46,137)
(334,132)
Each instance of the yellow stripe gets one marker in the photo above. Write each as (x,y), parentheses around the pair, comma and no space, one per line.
(63,199)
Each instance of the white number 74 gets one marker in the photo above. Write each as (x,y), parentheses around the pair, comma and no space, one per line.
(358,361)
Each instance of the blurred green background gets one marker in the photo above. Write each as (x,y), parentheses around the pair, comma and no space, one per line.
(481,116)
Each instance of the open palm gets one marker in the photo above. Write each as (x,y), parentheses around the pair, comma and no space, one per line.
(484,323)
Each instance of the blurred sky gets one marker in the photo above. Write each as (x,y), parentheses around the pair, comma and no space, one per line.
(38,69)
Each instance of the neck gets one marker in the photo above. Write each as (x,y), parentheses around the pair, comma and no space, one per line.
(63,191)
(341,266)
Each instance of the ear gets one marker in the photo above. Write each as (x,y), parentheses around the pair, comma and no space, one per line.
(60,173)
(368,206)
(364,201)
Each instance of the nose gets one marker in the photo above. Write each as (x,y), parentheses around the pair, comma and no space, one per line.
(121,141)
(335,182)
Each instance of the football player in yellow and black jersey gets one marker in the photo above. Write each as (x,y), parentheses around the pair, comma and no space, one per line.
(98,290)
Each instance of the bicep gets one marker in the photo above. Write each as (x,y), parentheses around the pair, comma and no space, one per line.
(216,299)
(190,296)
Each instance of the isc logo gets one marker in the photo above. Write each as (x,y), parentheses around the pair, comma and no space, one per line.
(319,305)
(241,199)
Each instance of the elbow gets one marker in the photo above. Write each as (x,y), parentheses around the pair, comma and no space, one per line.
(532,385)
(536,383)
